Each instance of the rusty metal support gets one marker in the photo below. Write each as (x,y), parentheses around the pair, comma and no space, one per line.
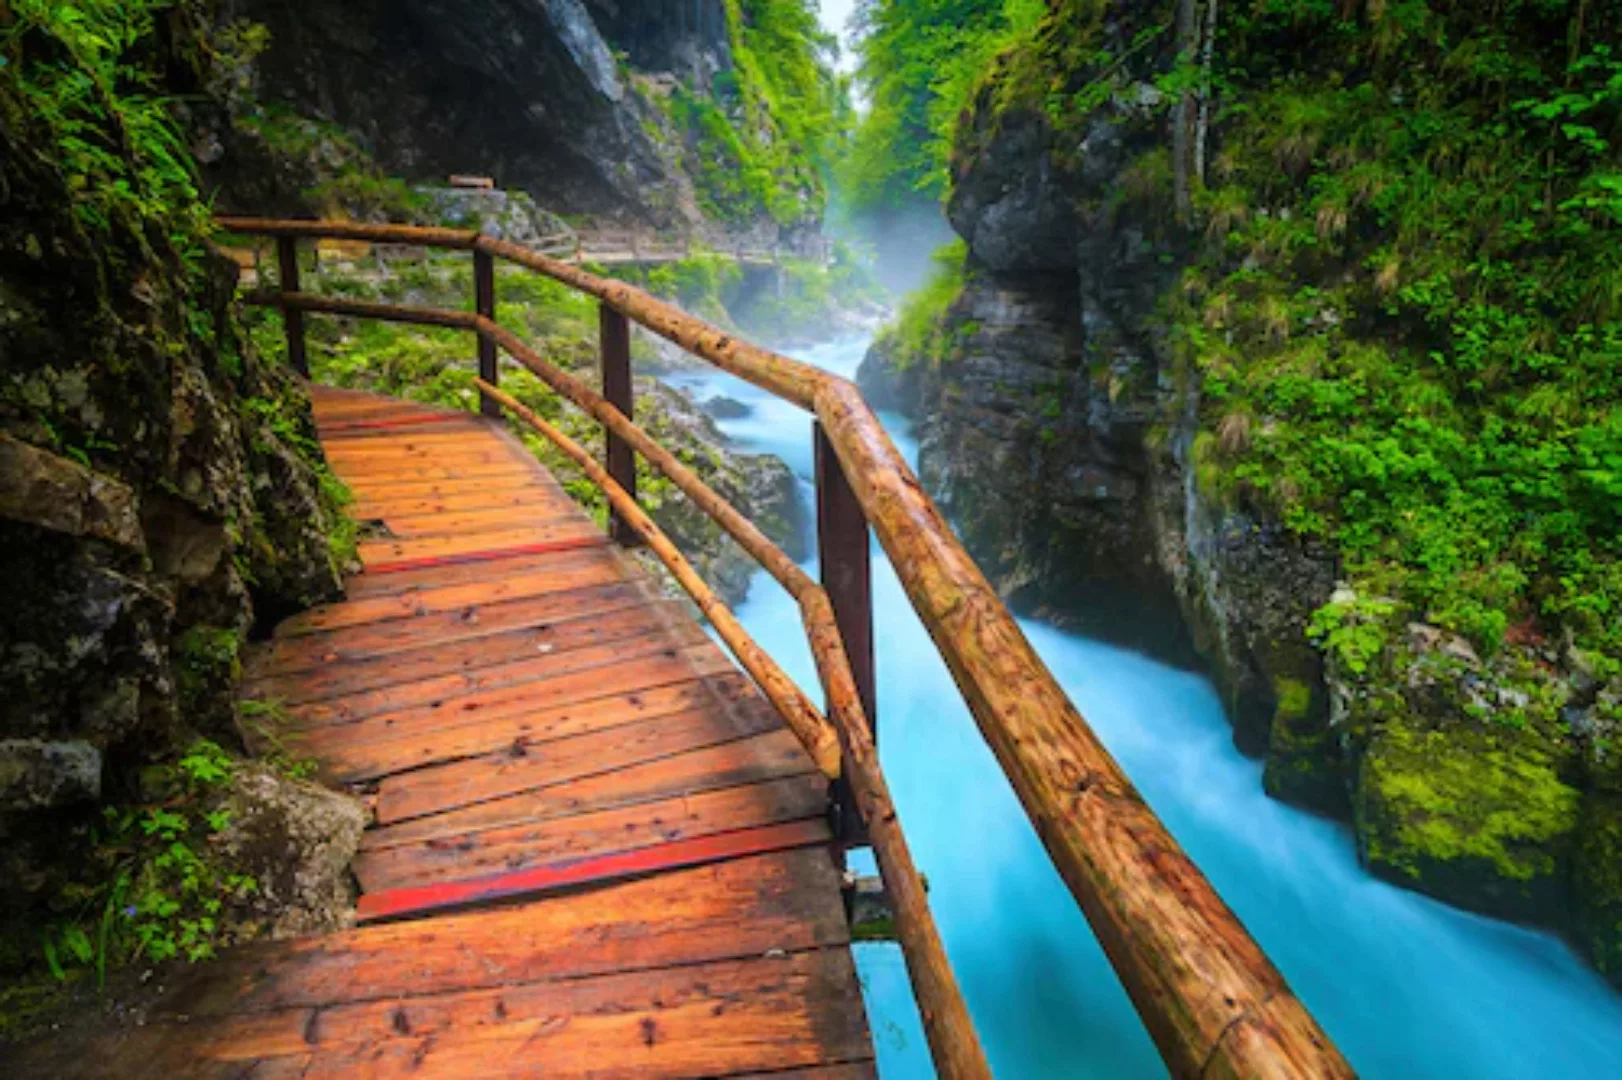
(292,318)
(484,302)
(847,576)
(615,336)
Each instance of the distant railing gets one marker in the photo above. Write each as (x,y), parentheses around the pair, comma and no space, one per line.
(1211,1000)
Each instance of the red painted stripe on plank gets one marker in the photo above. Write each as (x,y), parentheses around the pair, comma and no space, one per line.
(592,869)
(340,426)
(429,561)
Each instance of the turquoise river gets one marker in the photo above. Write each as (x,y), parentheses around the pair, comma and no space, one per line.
(1409,988)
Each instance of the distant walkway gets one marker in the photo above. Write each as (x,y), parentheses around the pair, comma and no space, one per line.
(533,724)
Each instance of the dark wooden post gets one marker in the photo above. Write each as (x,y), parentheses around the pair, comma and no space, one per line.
(847,575)
(484,300)
(292,320)
(615,337)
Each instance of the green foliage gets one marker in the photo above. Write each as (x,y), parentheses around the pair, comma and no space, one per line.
(698,283)
(1412,284)
(351,180)
(1352,630)
(766,140)
(206,661)
(921,331)
(920,59)
(86,73)
(163,893)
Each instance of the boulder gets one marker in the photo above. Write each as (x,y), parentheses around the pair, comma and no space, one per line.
(725,408)
(1479,817)
(296,840)
(36,773)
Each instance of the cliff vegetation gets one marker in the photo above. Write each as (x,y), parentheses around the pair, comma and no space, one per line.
(1346,358)
(161,493)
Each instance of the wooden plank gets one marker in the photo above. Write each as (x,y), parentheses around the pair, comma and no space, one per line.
(749,760)
(479,522)
(384,427)
(321,649)
(367,481)
(429,562)
(480,435)
(455,587)
(379,553)
(515,688)
(713,1019)
(434,488)
(482,779)
(517,847)
(478,499)
(375,748)
(579,871)
(724,910)
(383,461)
(452,651)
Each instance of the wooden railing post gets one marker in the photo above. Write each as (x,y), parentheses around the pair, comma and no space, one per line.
(292,319)
(484,301)
(847,576)
(615,338)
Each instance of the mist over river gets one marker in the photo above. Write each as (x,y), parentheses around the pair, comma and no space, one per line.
(1409,988)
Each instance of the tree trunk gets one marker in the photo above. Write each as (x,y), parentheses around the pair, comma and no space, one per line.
(1202,124)
(1183,117)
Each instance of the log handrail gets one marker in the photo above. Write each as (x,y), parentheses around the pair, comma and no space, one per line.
(1212,1001)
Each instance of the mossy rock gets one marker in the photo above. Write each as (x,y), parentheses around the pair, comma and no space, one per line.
(1478,818)
(1597,886)
(1305,766)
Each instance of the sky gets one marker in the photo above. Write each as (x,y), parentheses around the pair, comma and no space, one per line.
(835,17)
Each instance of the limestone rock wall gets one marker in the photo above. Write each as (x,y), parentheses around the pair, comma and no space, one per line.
(159,491)
(529,92)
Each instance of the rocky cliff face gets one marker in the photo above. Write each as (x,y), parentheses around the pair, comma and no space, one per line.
(1066,435)
(159,488)
(569,100)
(528,92)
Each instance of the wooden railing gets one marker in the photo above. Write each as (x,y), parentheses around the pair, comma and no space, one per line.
(1209,997)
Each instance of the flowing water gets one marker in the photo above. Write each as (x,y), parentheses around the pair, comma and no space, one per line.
(1409,988)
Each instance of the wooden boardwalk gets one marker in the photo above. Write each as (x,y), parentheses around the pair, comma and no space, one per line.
(597,851)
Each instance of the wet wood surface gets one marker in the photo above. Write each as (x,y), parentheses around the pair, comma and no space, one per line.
(541,728)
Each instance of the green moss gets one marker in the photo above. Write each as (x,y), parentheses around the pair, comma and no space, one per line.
(1305,763)
(1483,819)
(1293,697)
(1597,885)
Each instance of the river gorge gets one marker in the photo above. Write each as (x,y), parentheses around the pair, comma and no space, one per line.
(1407,986)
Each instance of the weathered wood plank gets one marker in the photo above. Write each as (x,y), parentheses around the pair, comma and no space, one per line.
(728,910)
(431,488)
(514,688)
(456,587)
(537,495)
(475,647)
(515,847)
(376,553)
(416,477)
(509,772)
(322,649)
(748,760)
(479,522)
(369,750)
(709,1019)
(590,871)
